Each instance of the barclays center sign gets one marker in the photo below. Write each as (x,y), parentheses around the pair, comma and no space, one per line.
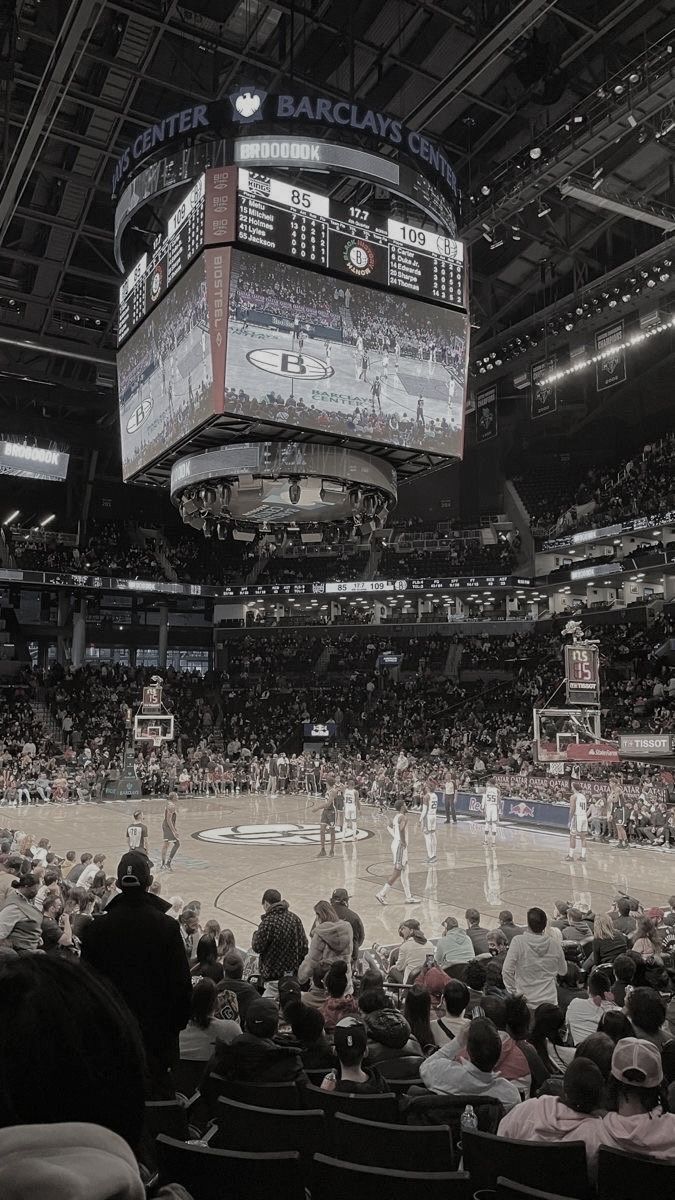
(253,106)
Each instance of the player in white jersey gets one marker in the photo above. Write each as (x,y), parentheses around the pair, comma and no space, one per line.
(399,852)
(578,822)
(490,806)
(428,821)
(352,809)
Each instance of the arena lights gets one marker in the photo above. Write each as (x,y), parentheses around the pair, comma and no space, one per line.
(12,517)
(626,344)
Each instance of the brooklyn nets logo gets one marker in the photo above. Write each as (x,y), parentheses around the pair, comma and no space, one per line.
(271,835)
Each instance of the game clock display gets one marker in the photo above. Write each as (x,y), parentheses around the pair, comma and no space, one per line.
(284,219)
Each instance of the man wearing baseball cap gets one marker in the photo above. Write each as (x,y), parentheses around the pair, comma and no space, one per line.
(350,1043)
(636,1123)
(140,950)
(340,902)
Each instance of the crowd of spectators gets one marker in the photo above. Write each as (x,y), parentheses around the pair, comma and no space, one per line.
(640,486)
(108,550)
(559,1028)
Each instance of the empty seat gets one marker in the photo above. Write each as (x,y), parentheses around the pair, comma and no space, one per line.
(264,1095)
(166,1116)
(508,1190)
(487,1157)
(244,1127)
(333,1179)
(373,1106)
(633,1176)
(188,1075)
(228,1175)
(396,1147)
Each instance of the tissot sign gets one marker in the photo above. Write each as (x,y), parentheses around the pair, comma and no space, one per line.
(252,106)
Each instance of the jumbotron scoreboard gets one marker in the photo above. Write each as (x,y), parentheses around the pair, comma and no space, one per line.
(294,223)
(280,219)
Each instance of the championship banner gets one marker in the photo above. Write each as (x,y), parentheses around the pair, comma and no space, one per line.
(611,369)
(486,415)
(582,675)
(544,396)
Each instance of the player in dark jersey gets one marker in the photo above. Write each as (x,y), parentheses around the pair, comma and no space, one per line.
(171,841)
(327,821)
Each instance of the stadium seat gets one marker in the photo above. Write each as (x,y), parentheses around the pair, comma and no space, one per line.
(420,1107)
(333,1179)
(375,1107)
(400,1086)
(396,1147)
(264,1095)
(227,1175)
(244,1127)
(187,1076)
(487,1157)
(508,1190)
(166,1116)
(631,1176)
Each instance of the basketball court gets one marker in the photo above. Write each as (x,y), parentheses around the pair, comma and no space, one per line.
(233,847)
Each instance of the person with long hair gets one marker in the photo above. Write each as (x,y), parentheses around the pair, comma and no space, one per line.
(548,1037)
(339,1003)
(208,965)
(608,943)
(647,941)
(417,1012)
(198,1040)
(226,943)
(331,939)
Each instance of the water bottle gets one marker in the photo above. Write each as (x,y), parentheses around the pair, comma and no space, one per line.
(469,1120)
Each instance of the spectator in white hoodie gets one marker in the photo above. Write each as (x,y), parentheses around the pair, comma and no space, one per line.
(533,961)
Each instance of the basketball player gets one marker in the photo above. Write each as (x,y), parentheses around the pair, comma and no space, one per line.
(327,821)
(137,833)
(399,852)
(352,808)
(385,366)
(428,821)
(169,833)
(376,394)
(578,822)
(490,806)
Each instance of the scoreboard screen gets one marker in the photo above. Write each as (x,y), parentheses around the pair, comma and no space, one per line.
(154,274)
(287,220)
(282,219)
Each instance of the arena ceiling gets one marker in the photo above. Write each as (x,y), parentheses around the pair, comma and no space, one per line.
(492,81)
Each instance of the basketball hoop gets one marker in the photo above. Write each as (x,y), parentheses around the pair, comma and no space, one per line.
(152,733)
(156,728)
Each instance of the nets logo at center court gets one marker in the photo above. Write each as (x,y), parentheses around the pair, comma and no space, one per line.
(272,835)
(289,364)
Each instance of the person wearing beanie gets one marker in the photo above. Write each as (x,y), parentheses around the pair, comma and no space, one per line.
(257,1056)
(391,1046)
(637,1122)
(139,949)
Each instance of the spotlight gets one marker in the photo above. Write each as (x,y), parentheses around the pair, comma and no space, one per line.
(515,233)
(625,297)
(485,190)
(487,236)
(612,303)
(569,323)
(535,152)
(619,89)
(651,283)
(664,276)
(544,209)
(634,77)
(579,310)
(497,244)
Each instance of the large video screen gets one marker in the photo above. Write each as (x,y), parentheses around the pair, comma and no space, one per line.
(165,374)
(325,354)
